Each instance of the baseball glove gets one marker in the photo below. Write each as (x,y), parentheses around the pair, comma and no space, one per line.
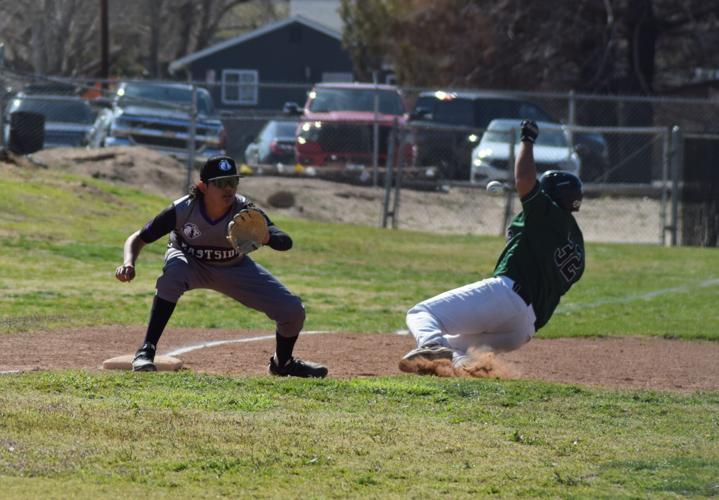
(247,230)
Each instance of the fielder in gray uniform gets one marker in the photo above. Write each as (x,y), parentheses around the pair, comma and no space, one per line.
(200,256)
(543,258)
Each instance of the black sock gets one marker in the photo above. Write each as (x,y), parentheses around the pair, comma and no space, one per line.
(284,348)
(159,316)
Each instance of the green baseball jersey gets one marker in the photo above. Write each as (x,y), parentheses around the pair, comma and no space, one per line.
(544,253)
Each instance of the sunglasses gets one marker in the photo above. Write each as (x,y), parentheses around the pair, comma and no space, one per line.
(226,182)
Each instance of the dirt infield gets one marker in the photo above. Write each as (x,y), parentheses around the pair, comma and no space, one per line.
(629,363)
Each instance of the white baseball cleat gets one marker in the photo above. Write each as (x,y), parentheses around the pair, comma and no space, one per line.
(431,352)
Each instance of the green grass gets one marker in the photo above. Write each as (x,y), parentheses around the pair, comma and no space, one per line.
(187,435)
(192,435)
(62,237)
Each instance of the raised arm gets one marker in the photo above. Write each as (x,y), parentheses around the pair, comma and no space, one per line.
(525,170)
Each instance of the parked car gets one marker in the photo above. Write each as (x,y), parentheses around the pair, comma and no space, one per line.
(593,150)
(552,151)
(448,126)
(69,121)
(158,115)
(337,123)
(275,143)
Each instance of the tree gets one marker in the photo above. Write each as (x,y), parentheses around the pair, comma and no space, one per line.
(47,36)
(61,37)
(589,45)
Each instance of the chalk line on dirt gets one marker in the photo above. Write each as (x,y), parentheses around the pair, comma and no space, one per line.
(214,343)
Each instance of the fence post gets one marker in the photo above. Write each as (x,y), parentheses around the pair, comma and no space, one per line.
(2,95)
(401,144)
(2,104)
(572,117)
(666,160)
(509,192)
(676,166)
(388,174)
(191,138)
(375,131)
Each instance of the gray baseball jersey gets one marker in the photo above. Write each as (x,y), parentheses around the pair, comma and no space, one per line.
(195,234)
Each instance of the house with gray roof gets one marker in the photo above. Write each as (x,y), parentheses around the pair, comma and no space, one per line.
(264,68)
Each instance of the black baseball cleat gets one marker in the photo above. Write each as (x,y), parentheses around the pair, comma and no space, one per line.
(144,360)
(297,368)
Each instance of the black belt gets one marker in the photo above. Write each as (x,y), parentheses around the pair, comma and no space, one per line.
(520,291)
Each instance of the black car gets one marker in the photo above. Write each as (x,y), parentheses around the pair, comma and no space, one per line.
(447,126)
(68,121)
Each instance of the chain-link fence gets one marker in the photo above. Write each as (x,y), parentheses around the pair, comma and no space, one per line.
(613,212)
(629,151)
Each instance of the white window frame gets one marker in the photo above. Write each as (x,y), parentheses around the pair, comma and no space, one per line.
(247,98)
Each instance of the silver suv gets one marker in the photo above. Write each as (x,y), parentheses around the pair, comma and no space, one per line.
(157,115)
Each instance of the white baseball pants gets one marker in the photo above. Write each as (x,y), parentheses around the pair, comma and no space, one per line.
(487,315)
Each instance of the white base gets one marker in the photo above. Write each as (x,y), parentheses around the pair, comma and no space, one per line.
(163,363)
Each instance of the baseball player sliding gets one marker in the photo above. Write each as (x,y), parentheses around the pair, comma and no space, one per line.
(543,258)
(199,255)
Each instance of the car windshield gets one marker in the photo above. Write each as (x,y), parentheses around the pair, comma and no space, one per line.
(488,109)
(454,112)
(286,129)
(56,110)
(137,93)
(326,100)
(552,137)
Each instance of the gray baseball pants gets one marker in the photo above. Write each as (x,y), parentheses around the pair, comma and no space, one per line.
(247,282)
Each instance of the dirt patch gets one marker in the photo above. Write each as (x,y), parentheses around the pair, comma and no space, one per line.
(138,167)
(627,363)
(454,210)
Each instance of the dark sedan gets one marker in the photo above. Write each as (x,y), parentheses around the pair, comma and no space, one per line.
(274,144)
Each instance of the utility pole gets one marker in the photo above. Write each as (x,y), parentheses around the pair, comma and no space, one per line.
(104,42)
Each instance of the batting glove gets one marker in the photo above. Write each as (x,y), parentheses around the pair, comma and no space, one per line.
(529,131)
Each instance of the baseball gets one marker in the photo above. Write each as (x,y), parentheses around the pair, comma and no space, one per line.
(495,187)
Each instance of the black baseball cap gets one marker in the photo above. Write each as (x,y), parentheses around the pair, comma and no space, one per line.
(218,167)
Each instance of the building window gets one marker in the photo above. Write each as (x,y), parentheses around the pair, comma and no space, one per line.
(239,86)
